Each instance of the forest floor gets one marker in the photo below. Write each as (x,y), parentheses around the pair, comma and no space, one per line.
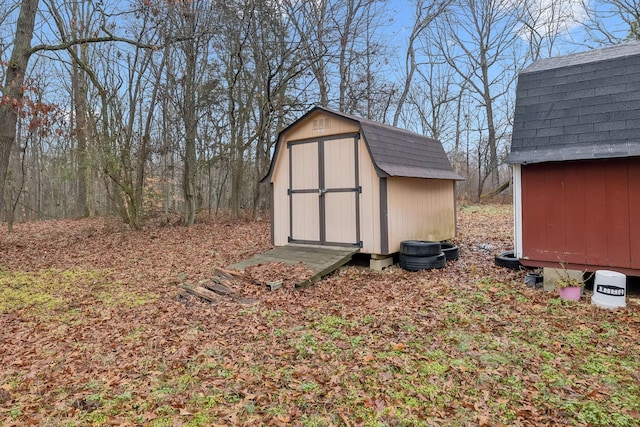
(93,331)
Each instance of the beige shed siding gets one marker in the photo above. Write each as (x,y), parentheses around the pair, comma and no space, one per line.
(280,202)
(333,126)
(421,209)
(369,202)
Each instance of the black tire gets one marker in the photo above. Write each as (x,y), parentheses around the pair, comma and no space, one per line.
(507,259)
(450,251)
(416,263)
(420,248)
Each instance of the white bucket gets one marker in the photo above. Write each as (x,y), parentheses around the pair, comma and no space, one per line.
(609,289)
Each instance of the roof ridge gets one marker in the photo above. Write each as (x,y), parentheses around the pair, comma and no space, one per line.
(621,50)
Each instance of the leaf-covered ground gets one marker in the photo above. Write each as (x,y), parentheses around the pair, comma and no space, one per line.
(93,332)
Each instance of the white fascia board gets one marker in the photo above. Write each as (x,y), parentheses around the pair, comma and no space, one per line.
(517,210)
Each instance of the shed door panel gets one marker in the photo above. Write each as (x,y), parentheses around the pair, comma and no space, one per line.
(304,167)
(340,191)
(303,192)
(306,217)
(324,191)
(339,164)
(340,218)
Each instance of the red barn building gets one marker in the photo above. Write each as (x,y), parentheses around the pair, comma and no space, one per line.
(576,161)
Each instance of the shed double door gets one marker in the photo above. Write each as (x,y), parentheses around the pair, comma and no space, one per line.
(324,191)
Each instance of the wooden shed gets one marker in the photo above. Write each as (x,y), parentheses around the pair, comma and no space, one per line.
(576,161)
(340,180)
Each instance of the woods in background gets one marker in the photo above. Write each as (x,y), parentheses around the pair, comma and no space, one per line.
(141,108)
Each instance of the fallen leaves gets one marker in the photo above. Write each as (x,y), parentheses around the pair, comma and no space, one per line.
(95,334)
(278,271)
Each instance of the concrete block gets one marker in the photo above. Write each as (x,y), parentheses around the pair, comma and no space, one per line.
(377,263)
(551,276)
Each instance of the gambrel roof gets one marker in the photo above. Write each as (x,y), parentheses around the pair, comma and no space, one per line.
(394,151)
(580,106)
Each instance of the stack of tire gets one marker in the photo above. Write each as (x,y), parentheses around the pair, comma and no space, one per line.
(418,255)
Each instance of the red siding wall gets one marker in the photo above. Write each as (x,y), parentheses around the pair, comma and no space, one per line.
(583,213)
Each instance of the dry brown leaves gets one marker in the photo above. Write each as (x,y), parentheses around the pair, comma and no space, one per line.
(120,348)
(289,274)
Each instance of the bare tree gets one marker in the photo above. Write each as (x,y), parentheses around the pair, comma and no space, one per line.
(434,101)
(15,75)
(629,12)
(122,152)
(543,23)
(310,21)
(479,41)
(12,90)
(189,27)
(602,16)
(277,64)
(81,23)
(339,39)
(425,12)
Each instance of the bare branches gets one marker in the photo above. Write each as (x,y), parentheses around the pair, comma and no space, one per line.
(601,28)
(425,13)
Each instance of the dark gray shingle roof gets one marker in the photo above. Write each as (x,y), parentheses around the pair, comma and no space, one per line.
(394,151)
(581,106)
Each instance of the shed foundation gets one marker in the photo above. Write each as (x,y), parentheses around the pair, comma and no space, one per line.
(552,275)
(380,262)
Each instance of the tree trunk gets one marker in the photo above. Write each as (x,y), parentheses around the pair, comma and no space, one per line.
(491,138)
(80,104)
(190,124)
(12,92)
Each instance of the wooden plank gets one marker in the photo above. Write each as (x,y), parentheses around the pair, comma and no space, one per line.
(555,215)
(321,271)
(575,207)
(595,187)
(229,274)
(534,212)
(201,292)
(617,182)
(219,288)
